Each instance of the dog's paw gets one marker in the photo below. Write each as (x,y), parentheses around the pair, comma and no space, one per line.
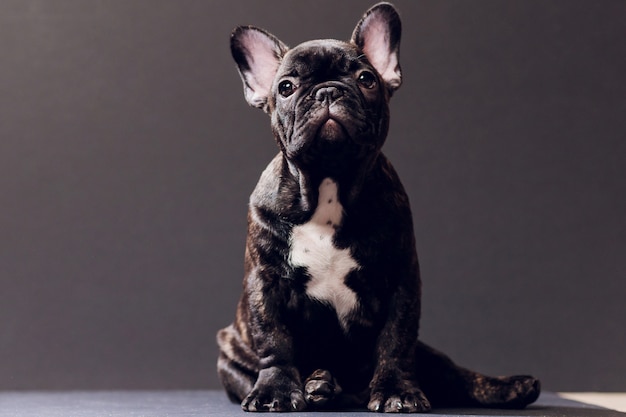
(506,392)
(398,400)
(269,399)
(276,389)
(320,388)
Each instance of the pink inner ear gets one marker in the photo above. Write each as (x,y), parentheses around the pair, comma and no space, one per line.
(261,53)
(377,47)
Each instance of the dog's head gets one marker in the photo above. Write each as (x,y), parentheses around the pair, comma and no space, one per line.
(328,99)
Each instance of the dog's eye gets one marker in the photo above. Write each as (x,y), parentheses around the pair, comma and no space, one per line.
(286,88)
(367,79)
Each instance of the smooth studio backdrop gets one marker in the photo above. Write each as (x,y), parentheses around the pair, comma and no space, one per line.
(127,154)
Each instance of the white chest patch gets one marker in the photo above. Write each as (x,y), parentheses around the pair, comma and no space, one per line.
(312,247)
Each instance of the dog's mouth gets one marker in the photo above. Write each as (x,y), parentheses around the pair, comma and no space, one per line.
(330,134)
(332,129)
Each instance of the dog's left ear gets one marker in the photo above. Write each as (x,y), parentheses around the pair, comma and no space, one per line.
(378,36)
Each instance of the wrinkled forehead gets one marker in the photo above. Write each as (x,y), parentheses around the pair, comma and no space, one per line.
(321,55)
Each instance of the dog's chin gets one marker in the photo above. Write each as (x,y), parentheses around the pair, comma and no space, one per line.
(330,151)
(331,130)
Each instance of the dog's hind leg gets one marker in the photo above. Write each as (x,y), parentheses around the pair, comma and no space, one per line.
(321,388)
(322,392)
(447,384)
(236,364)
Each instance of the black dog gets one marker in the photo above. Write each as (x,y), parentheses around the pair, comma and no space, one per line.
(331,302)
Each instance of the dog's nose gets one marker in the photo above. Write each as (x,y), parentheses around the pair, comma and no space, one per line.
(329,94)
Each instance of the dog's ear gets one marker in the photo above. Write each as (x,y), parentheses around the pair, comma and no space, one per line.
(258,55)
(377,35)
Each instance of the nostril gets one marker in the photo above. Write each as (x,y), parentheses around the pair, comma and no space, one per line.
(328,94)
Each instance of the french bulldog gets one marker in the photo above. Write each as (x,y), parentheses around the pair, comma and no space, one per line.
(330,309)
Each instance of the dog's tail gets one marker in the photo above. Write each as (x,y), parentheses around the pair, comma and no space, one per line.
(447,384)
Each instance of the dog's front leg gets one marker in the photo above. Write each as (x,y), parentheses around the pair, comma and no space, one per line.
(276,389)
(278,386)
(394,386)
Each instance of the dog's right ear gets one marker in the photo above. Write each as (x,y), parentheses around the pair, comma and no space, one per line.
(258,54)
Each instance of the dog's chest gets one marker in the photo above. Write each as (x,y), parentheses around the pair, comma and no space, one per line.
(312,247)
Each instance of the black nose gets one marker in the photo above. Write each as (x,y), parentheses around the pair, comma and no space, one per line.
(328,94)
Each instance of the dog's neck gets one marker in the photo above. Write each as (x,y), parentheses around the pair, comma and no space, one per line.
(350,181)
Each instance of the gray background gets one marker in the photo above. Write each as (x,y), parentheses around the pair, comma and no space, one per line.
(127,154)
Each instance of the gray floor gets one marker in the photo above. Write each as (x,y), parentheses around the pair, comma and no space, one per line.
(214,403)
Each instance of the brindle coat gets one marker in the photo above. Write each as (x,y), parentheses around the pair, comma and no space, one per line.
(289,347)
